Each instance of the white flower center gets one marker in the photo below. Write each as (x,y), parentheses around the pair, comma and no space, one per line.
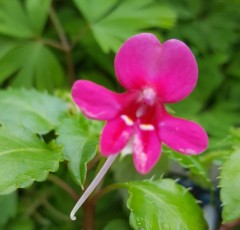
(149,96)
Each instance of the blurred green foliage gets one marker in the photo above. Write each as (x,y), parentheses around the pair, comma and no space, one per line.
(47,45)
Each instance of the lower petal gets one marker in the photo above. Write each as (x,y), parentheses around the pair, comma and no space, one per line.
(115,136)
(183,136)
(146,150)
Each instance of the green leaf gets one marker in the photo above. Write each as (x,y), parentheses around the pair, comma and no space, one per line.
(215,73)
(193,163)
(11,61)
(230,187)
(124,169)
(13,20)
(233,68)
(163,204)
(39,68)
(21,224)
(38,13)
(8,207)
(79,138)
(117,224)
(7,44)
(37,111)
(24,158)
(113,22)
(227,114)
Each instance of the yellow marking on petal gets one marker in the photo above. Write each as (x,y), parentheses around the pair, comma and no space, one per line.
(146,127)
(127,120)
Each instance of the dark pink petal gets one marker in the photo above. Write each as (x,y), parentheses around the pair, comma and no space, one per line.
(115,136)
(95,101)
(178,72)
(183,136)
(146,150)
(170,68)
(137,61)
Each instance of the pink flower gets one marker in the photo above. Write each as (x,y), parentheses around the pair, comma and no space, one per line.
(153,74)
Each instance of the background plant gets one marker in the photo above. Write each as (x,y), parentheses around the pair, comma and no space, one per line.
(44,47)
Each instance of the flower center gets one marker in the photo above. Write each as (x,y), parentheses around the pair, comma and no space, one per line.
(142,108)
(149,96)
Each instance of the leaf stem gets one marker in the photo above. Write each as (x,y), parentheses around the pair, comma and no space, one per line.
(52,43)
(62,184)
(40,219)
(65,44)
(34,206)
(108,189)
(55,212)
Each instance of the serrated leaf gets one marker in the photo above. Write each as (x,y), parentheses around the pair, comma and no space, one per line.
(39,112)
(163,204)
(230,187)
(13,20)
(24,158)
(195,166)
(38,13)
(113,22)
(79,141)
(39,68)
(8,207)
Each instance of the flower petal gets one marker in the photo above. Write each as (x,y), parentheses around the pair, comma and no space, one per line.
(146,150)
(136,61)
(95,101)
(170,68)
(115,136)
(183,136)
(178,72)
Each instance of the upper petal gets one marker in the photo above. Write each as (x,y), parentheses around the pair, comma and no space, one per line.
(146,149)
(183,136)
(115,136)
(95,101)
(136,61)
(170,67)
(178,72)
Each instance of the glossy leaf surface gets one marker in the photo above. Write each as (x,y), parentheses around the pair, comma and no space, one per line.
(163,204)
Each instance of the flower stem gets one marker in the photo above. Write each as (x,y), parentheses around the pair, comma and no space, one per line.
(93,185)
(229,226)
(88,215)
